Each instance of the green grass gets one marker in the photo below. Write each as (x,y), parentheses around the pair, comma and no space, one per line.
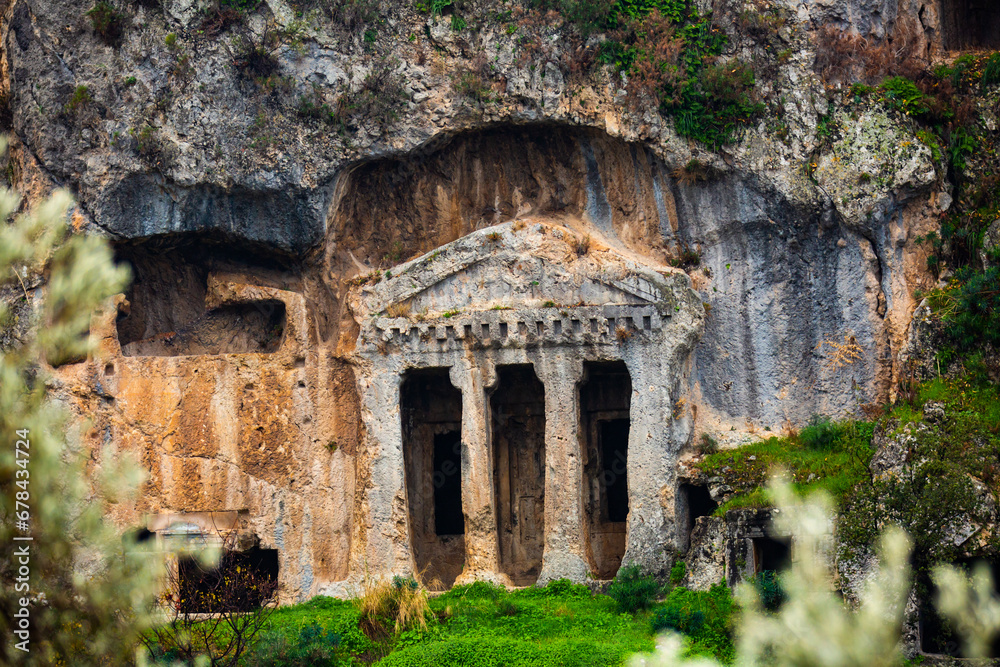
(559,624)
(340,616)
(482,625)
(832,456)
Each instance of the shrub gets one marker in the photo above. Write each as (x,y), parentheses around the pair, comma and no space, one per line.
(78,100)
(149,146)
(632,590)
(581,244)
(378,101)
(674,618)
(564,588)
(821,434)
(218,19)
(974,319)
(315,645)
(244,6)
(238,600)
(255,56)
(704,616)
(769,590)
(903,95)
(677,572)
(108,23)
(473,86)
(991,71)
(694,171)
(707,445)
(75,619)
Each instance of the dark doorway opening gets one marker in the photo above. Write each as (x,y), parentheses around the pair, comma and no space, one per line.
(518,433)
(692,502)
(614,464)
(970,24)
(431,413)
(771,554)
(448,516)
(605,399)
(242,581)
(937,636)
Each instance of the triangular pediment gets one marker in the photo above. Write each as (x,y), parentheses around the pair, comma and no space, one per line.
(512,266)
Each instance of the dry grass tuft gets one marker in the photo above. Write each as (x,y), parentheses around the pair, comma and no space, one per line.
(400,603)
(623,334)
(581,244)
(849,57)
(401,309)
(695,171)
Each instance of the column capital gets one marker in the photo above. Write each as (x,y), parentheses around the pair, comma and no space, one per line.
(461,374)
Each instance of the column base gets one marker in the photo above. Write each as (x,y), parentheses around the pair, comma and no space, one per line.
(471,576)
(564,566)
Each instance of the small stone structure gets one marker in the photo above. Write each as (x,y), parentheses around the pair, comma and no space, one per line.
(500,332)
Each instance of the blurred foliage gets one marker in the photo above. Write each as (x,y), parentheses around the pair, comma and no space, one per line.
(89,591)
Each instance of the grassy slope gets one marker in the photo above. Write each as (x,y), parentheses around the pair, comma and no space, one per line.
(828,456)
(482,625)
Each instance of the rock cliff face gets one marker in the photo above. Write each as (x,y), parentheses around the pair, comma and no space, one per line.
(257,206)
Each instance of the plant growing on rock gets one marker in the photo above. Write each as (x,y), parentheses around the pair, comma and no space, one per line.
(670,53)
(253,55)
(378,101)
(78,100)
(108,23)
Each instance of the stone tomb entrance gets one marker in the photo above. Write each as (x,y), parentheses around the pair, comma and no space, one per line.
(431,412)
(693,501)
(605,397)
(518,439)
(492,372)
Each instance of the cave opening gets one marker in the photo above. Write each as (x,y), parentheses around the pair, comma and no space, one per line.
(517,407)
(771,554)
(937,636)
(970,24)
(241,581)
(431,413)
(605,401)
(166,313)
(693,501)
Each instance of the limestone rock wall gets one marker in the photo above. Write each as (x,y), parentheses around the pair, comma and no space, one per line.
(232,369)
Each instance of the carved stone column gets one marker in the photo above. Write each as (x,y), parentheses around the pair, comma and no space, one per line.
(482,553)
(653,448)
(384,533)
(564,555)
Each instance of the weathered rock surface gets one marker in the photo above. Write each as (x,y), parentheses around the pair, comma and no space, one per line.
(242,367)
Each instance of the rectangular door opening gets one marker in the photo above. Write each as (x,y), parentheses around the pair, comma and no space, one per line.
(448,516)
(431,412)
(605,401)
(518,434)
(692,502)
